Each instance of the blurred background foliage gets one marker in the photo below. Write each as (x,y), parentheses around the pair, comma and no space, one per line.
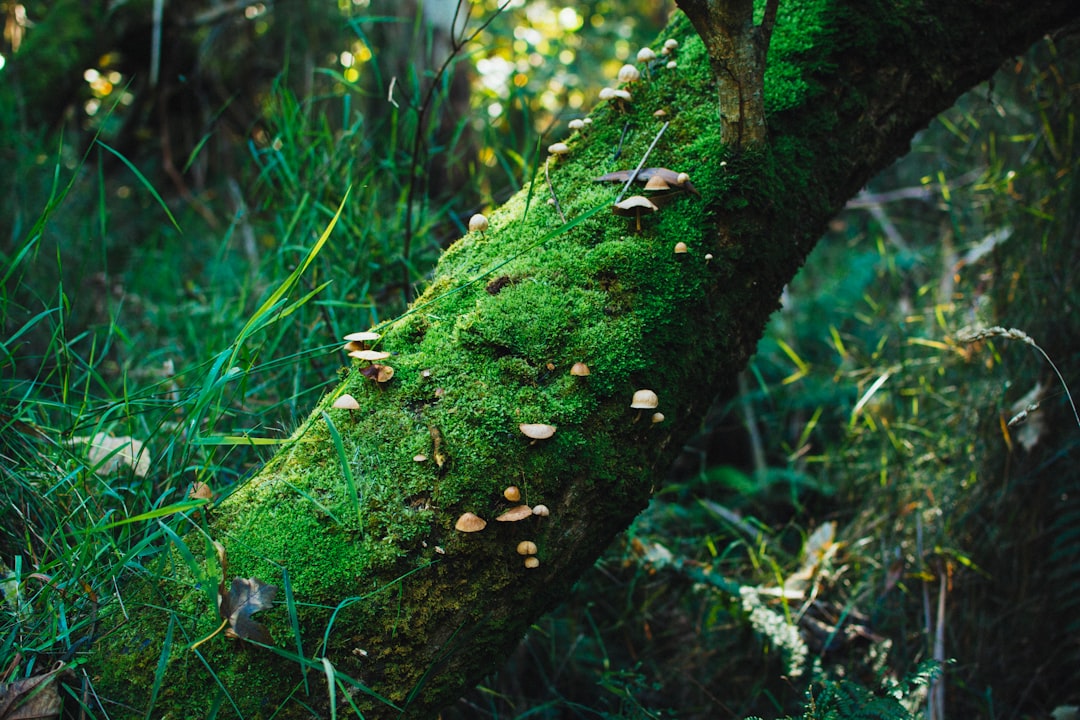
(861,507)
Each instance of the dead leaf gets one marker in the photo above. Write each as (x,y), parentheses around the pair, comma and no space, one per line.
(246,597)
(645,174)
(200,491)
(33,698)
(108,454)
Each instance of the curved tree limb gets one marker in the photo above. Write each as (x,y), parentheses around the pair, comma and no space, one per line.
(378,585)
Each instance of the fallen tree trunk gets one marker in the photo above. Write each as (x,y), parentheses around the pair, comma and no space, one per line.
(378,590)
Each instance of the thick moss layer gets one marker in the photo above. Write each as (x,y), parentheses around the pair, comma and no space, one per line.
(383,585)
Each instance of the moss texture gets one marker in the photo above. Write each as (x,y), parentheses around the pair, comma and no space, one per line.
(383,586)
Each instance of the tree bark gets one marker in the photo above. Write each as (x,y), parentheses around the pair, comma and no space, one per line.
(376,584)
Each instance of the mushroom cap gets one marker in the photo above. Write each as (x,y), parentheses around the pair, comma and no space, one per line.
(645,55)
(420,458)
(579,369)
(537,431)
(369,355)
(526,547)
(657,182)
(558,148)
(671,65)
(468,522)
(607,93)
(680,248)
(623,95)
(576,124)
(478,223)
(644,400)
(518,512)
(512,493)
(670,44)
(378,373)
(629,74)
(634,205)
(532,562)
(352,345)
(346,402)
(682,178)
(657,417)
(366,336)
(541,510)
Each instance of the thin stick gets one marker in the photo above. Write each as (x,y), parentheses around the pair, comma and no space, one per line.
(547,176)
(633,175)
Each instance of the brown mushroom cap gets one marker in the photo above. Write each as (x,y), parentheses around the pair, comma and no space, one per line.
(378,373)
(526,547)
(579,369)
(346,402)
(519,512)
(369,355)
(537,431)
(657,182)
(532,562)
(468,522)
(512,493)
(644,400)
(680,248)
(657,417)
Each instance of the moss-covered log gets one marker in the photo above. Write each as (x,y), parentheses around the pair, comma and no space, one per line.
(359,532)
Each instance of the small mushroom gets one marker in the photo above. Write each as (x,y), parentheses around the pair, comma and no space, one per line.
(532,562)
(346,402)
(657,183)
(518,512)
(670,46)
(478,223)
(579,369)
(419,458)
(362,337)
(576,124)
(657,417)
(537,431)
(671,65)
(541,510)
(634,206)
(644,400)
(607,93)
(629,74)
(645,55)
(369,355)
(512,493)
(378,373)
(468,522)
(680,248)
(558,148)
(526,547)
(660,114)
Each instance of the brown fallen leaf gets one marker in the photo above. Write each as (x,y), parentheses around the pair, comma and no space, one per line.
(246,596)
(646,174)
(33,698)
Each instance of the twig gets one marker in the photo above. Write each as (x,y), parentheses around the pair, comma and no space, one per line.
(418,144)
(633,175)
(554,197)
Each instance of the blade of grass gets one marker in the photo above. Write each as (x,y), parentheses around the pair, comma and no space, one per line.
(145,183)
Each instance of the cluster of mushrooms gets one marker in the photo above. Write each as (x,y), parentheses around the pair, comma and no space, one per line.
(662,185)
(471,522)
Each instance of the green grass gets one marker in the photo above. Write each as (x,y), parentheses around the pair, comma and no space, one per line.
(863,408)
